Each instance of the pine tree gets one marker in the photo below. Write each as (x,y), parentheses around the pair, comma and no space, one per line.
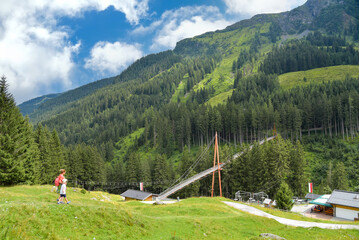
(74,164)
(132,168)
(160,173)
(284,197)
(185,168)
(145,173)
(297,166)
(31,164)
(329,179)
(45,172)
(16,143)
(276,159)
(340,177)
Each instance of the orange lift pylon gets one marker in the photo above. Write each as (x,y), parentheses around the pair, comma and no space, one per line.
(216,153)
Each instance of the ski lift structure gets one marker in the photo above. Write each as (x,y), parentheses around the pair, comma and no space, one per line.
(250,197)
(260,196)
(242,196)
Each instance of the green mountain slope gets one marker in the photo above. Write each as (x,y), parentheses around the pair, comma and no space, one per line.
(318,76)
(330,16)
(198,69)
(169,102)
(30,106)
(141,70)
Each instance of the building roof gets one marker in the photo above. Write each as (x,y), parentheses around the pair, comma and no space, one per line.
(322,200)
(312,196)
(344,198)
(135,194)
(267,201)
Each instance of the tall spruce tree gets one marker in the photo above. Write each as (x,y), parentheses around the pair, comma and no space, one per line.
(340,177)
(276,154)
(160,173)
(284,197)
(297,170)
(17,151)
(133,170)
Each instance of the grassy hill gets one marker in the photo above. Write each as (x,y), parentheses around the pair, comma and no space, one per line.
(31,212)
(318,75)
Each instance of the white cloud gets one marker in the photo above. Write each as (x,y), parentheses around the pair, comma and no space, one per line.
(184,22)
(35,53)
(251,7)
(172,32)
(112,57)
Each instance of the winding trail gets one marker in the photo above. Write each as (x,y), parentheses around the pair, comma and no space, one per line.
(290,222)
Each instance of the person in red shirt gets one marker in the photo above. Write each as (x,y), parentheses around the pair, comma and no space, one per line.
(60,178)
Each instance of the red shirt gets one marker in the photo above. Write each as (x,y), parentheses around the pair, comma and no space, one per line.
(61,177)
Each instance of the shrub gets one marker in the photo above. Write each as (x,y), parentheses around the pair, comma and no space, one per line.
(284,197)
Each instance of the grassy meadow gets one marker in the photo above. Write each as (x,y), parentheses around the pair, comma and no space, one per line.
(220,98)
(318,75)
(31,212)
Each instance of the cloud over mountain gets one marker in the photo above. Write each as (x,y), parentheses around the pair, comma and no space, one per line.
(112,57)
(185,22)
(251,7)
(36,53)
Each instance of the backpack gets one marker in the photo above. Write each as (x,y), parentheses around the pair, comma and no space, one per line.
(57,181)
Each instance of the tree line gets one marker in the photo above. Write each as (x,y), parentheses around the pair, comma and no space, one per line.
(35,156)
(313,52)
(254,107)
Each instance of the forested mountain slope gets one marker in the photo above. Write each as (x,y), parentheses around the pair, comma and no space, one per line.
(30,106)
(169,101)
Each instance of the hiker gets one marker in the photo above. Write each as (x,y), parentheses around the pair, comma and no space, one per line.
(60,179)
(63,192)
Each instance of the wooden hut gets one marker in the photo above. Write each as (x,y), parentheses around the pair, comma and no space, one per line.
(131,194)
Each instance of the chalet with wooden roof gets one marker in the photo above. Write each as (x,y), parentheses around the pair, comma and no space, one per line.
(131,194)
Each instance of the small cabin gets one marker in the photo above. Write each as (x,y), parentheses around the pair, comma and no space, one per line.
(267,202)
(131,194)
(346,204)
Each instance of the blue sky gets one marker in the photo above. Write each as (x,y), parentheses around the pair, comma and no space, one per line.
(50,46)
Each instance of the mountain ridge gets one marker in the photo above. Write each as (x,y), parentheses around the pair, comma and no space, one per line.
(172,103)
(287,21)
(205,66)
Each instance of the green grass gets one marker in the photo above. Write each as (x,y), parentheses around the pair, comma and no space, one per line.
(220,98)
(125,143)
(231,44)
(179,93)
(31,212)
(318,75)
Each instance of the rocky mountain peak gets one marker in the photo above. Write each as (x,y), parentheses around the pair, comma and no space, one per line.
(315,6)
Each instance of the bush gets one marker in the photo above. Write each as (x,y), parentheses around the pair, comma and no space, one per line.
(83,191)
(284,197)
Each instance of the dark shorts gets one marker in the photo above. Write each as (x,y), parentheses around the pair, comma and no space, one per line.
(63,195)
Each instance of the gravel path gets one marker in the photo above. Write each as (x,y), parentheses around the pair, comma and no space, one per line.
(290,222)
